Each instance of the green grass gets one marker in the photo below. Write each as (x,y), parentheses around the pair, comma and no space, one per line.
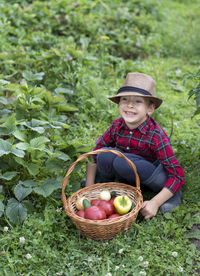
(56,247)
(83,64)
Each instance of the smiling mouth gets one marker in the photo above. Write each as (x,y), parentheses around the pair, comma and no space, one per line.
(128,113)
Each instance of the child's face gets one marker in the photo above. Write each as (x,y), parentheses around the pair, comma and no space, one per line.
(135,110)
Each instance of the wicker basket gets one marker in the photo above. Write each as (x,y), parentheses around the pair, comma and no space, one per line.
(108,228)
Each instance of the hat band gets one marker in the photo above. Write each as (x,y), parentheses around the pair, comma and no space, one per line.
(134,89)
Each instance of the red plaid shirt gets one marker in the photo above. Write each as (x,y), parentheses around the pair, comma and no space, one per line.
(148,140)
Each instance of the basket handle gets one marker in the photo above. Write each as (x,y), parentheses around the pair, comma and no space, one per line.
(85,155)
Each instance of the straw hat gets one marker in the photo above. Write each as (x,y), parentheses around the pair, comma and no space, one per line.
(138,84)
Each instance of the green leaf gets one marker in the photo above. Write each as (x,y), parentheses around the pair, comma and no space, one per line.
(21,192)
(28,183)
(35,106)
(56,124)
(53,166)
(33,169)
(39,141)
(34,125)
(177,87)
(1,189)
(64,91)
(8,175)
(2,197)
(1,208)
(4,82)
(22,146)
(193,235)
(9,125)
(4,166)
(15,211)
(29,206)
(20,135)
(57,99)
(168,216)
(20,161)
(18,153)
(39,130)
(46,188)
(67,108)
(5,147)
(57,182)
(4,112)
(45,150)
(4,101)
(13,87)
(29,76)
(38,100)
(62,156)
(81,147)
(195,219)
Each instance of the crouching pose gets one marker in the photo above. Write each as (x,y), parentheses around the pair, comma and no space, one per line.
(144,142)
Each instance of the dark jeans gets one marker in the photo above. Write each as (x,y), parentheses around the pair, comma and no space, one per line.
(111,167)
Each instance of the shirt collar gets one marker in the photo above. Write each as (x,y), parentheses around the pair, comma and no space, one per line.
(142,128)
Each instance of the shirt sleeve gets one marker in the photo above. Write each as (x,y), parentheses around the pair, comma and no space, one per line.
(174,171)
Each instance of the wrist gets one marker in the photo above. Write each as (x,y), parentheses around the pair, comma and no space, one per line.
(162,197)
(156,202)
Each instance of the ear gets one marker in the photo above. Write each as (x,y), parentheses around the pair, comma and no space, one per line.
(151,109)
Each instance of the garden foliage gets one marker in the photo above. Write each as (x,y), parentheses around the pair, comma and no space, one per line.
(59,60)
(195,92)
(54,56)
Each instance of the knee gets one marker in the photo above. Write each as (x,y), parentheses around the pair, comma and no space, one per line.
(157,180)
(123,171)
(120,164)
(105,159)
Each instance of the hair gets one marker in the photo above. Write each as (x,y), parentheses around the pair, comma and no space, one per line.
(149,101)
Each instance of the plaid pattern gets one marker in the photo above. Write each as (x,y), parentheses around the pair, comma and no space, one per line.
(150,141)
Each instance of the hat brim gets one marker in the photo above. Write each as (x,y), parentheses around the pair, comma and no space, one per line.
(155,100)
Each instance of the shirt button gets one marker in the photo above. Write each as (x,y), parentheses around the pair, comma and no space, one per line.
(131,132)
(128,148)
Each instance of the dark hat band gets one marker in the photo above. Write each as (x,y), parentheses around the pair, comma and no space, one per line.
(133,89)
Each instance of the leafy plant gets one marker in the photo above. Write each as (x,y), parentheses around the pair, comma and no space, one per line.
(195,92)
(31,148)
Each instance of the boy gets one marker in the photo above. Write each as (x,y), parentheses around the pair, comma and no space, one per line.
(144,142)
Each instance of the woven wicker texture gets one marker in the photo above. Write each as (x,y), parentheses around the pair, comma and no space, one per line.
(108,228)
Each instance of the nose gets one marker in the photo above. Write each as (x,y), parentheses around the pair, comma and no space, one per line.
(131,103)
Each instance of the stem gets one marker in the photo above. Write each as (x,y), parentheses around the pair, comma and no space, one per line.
(123,202)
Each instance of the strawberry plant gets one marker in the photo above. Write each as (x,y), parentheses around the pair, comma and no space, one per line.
(31,148)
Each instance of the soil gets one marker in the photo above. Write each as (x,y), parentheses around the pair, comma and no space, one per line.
(195,241)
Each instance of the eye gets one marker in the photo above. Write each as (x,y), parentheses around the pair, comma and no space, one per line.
(123,99)
(139,100)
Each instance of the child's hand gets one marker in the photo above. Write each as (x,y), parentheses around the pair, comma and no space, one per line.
(149,209)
